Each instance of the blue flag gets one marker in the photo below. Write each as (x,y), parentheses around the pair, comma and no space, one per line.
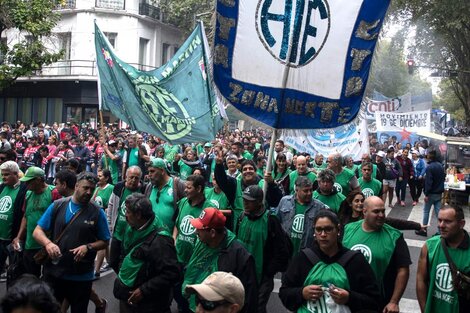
(175,102)
(296,64)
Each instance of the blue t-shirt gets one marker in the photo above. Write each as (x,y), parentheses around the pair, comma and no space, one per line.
(72,208)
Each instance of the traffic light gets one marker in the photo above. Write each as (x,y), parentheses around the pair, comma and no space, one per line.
(411,66)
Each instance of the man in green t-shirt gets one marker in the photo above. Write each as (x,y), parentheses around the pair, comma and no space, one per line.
(301,170)
(111,161)
(434,279)
(184,233)
(165,192)
(12,195)
(38,199)
(369,185)
(326,192)
(384,248)
(345,180)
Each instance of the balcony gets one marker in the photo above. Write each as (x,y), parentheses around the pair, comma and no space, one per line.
(65,4)
(150,11)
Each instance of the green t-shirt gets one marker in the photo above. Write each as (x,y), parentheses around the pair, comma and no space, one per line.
(342,181)
(121,223)
(247,155)
(253,235)
(101,195)
(297,229)
(185,170)
(36,205)
(442,296)
(170,151)
(218,200)
(163,204)
(370,188)
(133,157)
(293,177)
(333,202)
(112,166)
(7,200)
(376,246)
(322,274)
(187,236)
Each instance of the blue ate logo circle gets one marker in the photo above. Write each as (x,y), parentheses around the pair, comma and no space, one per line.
(293,31)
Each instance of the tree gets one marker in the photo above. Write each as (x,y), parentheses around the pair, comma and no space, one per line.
(184,13)
(446,99)
(389,74)
(442,39)
(34,19)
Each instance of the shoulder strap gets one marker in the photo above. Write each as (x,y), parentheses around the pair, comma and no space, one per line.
(311,256)
(67,226)
(346,257)
(453,268)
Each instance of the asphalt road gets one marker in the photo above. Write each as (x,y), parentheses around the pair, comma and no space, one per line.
(104,285)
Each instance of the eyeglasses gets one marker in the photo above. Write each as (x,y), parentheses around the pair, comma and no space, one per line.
(326,229)
(210,305)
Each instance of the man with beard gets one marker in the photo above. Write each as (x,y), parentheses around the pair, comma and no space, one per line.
(233,187)
(83,230)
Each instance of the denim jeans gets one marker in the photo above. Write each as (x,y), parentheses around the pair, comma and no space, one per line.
(433,199)
(400,189)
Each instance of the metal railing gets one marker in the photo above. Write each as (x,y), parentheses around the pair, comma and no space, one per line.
(65,4)
(150,11)
(110,4)
(78,68)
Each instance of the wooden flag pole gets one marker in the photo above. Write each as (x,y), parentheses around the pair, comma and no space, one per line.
(103,135)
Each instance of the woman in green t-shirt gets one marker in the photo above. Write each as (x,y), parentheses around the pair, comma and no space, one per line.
(329,274)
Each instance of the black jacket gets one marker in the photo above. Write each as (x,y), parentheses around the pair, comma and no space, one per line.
(157,276)
(363,293)
(237,260)
(434,178)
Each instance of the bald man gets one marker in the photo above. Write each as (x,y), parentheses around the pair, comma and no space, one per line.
(384,249)
(301,170)
(346,180)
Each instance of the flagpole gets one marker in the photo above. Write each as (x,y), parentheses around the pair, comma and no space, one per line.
(275,134)
(103,136)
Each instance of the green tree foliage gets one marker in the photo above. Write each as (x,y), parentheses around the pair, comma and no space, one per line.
(442,39)
(446,99)
(34,19)
(184,13)
(389,72)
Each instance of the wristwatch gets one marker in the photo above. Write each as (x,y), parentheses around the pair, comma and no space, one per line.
(89,247)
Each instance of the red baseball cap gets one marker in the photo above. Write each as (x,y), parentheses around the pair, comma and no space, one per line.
(209,218)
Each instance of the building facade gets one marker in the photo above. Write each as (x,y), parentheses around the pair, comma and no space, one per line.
(67,90)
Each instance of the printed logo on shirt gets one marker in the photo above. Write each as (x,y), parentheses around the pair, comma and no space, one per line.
(99,201)
(123,208)
(338,187)
(443,277)
(365,250)
(368,192)
(298,224)
(215,203)
(5,204)
(185,227)
(170,191)
(320,305)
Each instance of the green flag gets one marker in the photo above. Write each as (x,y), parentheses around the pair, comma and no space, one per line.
(175,102)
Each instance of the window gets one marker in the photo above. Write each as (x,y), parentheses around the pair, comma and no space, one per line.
(143,47)
(111,38)
(65,41)
(110,4)
(165,54)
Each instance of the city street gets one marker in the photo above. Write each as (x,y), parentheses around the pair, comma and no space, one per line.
(104,285)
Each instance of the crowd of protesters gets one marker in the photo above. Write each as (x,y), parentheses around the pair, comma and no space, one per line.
(165,217)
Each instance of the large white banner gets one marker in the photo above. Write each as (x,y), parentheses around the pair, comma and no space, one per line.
(411,121)
(351,139)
